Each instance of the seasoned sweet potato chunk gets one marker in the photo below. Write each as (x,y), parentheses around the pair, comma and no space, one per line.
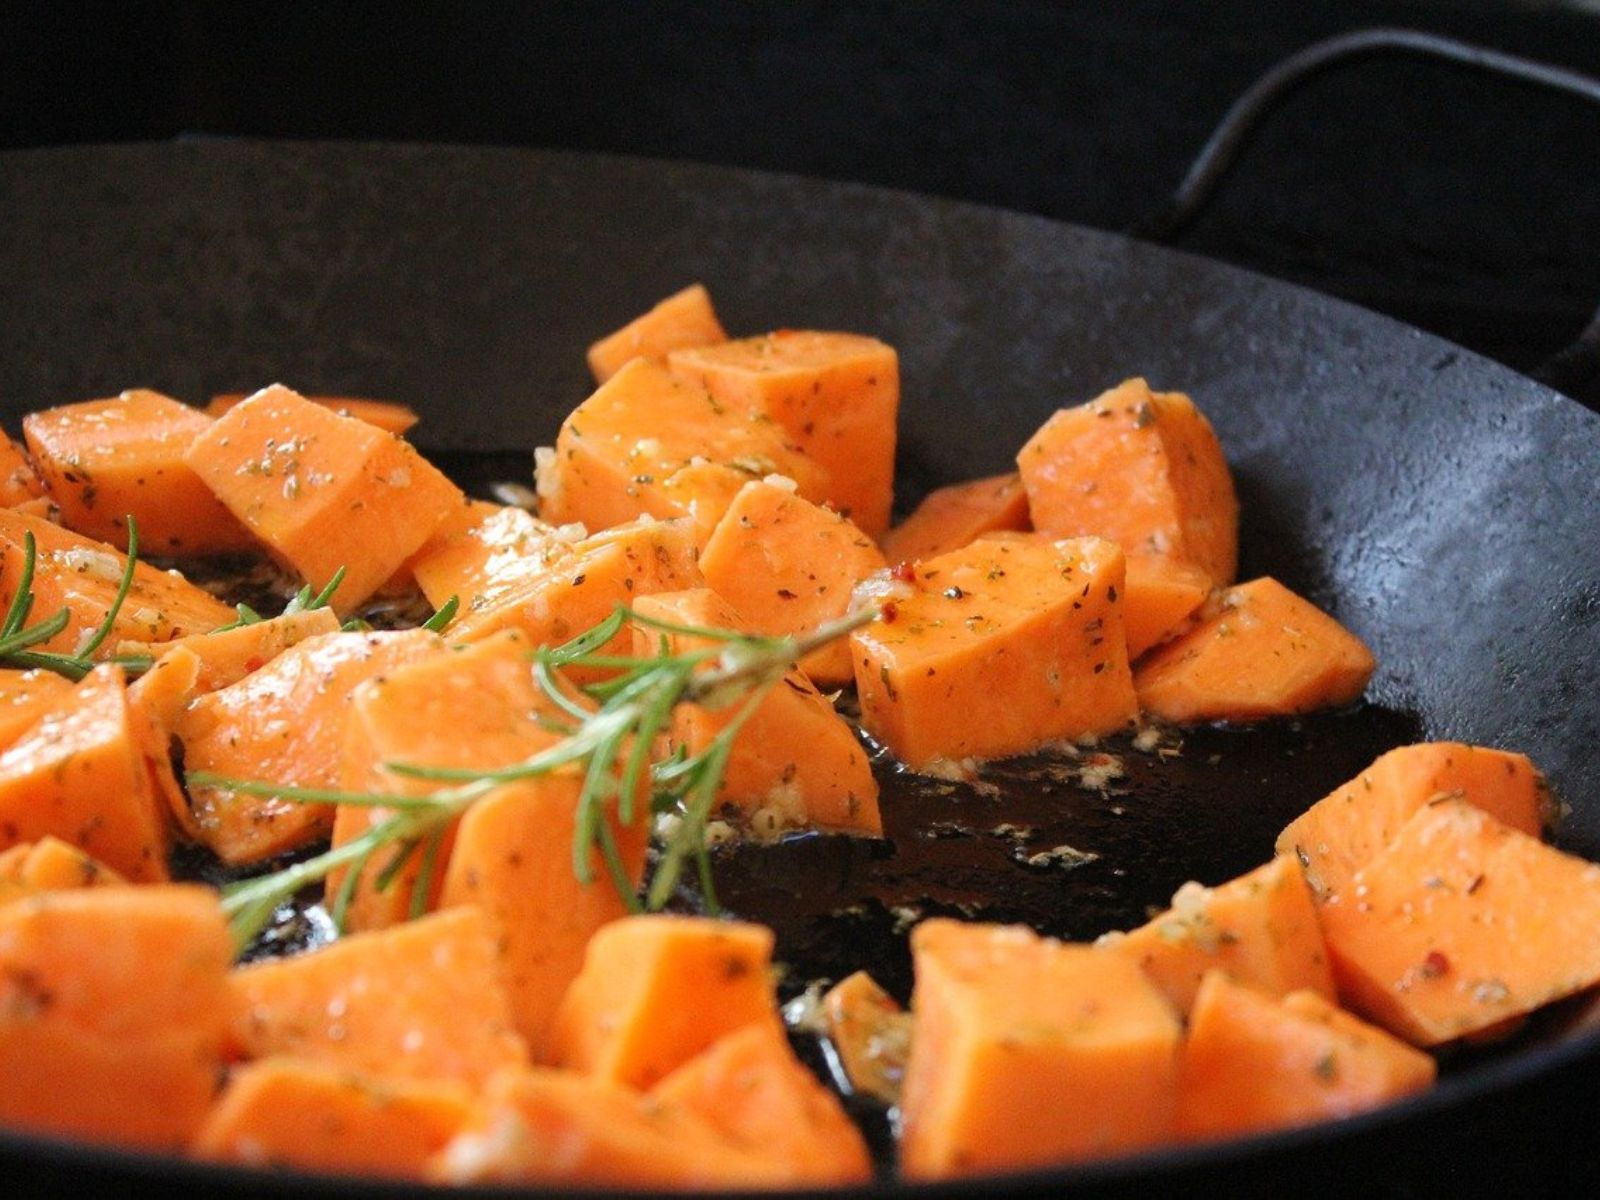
(19,482)
(384,414)
(956,516)
(683,319)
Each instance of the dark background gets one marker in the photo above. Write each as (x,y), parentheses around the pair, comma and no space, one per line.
(1465,204)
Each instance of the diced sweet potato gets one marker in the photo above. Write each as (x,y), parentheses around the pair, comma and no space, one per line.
(1252,1062)
(795,761)
(617,450)
(225,656)
(81,575)
(284,723)
(1026,1052)
(285,1113)
(79,774)
(25,696)
(656,990)
(750,1088)
(787,565)
(1336,836)
(569,589)
(1161,597)
(19,482)
(996,648)
(385,414)
(114,1007)
(482,552)
(870,1033)
(104,460)
(1461,923)
(683,319)
(420,1001)
(323,491)
(554,1128)
(836,395)
(1261,928)
(1140,468)
(51,865)
(956,516)
(1259,651)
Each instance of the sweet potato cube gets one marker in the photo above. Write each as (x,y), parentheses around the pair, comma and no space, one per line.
(788,565)
(557,1128)
(420,1001)
(284,724)
(384,414)
(1260,651)
(1261,928)
(25,696)
(1253,1062)
(656,990)
(750,1088)
(19,482)
(683,319)
(795,762)
(104,460)
(79,774)
(481,552)
(225,656)
(1461,923)
(956,516)
(323,491)
(1140,468)
(1027,1052)
(51,865)
(563,590)
(82,575)
(1161,598)
(618,449)
(282,1112)
(114,1010)
(836,395)
(996,648)
(870,1033)
(1335,837)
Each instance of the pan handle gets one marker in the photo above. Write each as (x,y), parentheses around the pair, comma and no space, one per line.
(1565,369)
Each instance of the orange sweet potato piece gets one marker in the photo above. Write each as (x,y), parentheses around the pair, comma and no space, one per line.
(836,395)
(1260,651)
(1461,923)
(1261,928)
(1253,1062)
(956,516)
(104,460)
(565,589)
(871,1034)
(420,1001)
(323,491)
(51,865)
(616,452)
(1027,1051)
(385,414)
(25,696)
(554,1127)
(79,774)
(996,648)
(114,1007)
(284,723)
(282,1112)
(787,565)
(795,761)
(657,990)
(1336,836)
(226,656)
(750,1088)
(683,319)
(1140,468)
(481,553)
(1161,596)
(81,575)
(19,482)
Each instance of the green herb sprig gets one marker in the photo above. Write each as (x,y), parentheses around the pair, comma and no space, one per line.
(608,732)
(305,600)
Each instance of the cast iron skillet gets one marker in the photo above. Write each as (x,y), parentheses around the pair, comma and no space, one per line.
(1444,508)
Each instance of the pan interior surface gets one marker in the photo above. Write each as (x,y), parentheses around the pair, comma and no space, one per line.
(1443,508)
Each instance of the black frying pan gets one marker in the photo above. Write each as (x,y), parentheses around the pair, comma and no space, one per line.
(1444,508)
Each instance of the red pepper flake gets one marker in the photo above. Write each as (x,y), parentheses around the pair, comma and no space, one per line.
(888,612)
(1435,965)
(254,664)
(904,572)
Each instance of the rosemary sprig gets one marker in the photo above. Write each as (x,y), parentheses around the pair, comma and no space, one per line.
(17,637)
(305,600)
(608,732)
